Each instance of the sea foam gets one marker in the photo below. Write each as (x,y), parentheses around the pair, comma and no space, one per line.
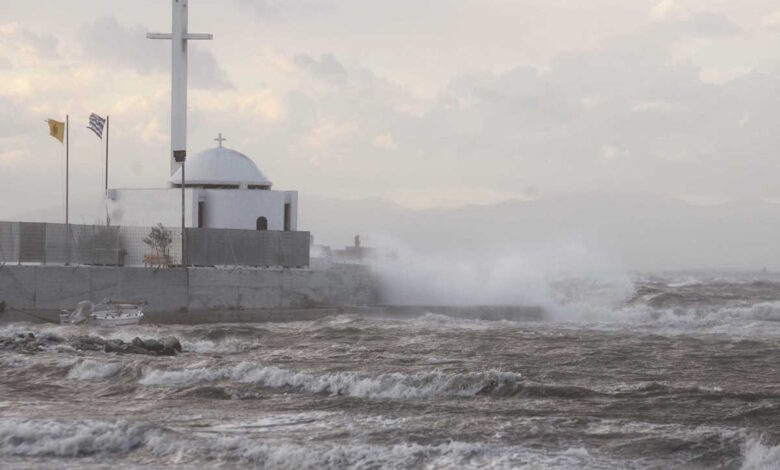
(94,370)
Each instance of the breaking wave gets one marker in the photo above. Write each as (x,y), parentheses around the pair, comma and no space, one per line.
(353,384)
(383,386)
(163,446)
(94,370)
(48,438)
(33,438)
(184,377)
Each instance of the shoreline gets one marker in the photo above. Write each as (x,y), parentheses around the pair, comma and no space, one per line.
(282,315)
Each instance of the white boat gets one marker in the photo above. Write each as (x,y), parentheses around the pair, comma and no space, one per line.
(109,313)
(115,313)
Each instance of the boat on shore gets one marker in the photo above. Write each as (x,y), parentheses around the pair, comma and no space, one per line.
(108,313)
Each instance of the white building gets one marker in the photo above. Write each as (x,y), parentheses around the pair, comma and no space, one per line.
(223,189)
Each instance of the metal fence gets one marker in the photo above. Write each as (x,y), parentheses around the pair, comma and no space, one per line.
(46,243)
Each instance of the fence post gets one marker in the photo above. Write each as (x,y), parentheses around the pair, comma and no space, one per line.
(92,257)
(18,245)
(232,251)
(44,243)
(2,250)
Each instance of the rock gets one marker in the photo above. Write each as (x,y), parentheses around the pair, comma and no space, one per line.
(28,343)
(89,343)
(153,345)
(50,338)
(171,342)
(115,345)
(133,349)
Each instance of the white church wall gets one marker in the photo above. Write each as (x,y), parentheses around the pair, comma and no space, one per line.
(239,209)
(223,208)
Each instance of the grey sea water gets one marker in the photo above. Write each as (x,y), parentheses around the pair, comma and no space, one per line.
(683,372)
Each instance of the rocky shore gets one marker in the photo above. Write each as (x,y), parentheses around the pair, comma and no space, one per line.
(29,343)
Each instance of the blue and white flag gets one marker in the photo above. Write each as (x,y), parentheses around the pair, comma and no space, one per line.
(96,124)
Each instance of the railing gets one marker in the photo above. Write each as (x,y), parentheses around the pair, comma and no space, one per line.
(47,243)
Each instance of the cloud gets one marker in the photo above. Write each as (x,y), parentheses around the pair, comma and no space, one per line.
(693,23)
(111,43)
(327,68)
(322,137)
(772,21)
(384,141)
(665,9)
(707,24)
(27,46)
(287,8)
(7,156)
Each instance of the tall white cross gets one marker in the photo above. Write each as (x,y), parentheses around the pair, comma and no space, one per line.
(179,37)
(220,139)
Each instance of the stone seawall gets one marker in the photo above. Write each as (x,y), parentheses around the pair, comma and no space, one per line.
(186,290)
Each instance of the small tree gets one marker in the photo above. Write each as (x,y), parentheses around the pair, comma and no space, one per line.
(159,239)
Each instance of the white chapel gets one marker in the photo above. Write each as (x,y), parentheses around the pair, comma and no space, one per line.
(223,188)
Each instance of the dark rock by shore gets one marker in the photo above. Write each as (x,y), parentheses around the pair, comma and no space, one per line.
(29,343)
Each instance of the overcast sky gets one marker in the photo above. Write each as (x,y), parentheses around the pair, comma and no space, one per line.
(426,103)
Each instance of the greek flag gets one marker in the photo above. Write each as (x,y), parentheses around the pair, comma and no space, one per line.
(96,124)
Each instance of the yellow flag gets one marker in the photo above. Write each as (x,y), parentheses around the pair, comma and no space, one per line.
(56,129)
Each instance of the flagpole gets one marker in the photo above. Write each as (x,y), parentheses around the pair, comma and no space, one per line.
(183,229)
(67,168)
(67,156)
(107,125)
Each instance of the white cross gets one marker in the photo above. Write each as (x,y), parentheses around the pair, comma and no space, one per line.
(179,37)
(220,139)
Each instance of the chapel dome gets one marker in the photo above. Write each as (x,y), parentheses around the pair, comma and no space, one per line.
(221,166)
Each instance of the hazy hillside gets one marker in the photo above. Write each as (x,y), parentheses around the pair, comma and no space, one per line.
(641,232)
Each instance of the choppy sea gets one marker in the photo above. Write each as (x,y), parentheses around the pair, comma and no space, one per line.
(682,372)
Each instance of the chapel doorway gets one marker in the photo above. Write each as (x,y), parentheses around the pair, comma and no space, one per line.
(262,223)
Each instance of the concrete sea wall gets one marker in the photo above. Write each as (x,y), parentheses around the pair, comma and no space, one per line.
(186,290)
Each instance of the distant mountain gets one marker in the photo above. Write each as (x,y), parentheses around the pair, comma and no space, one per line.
(641,231)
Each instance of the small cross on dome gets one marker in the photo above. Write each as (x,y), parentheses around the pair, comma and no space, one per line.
(220,139)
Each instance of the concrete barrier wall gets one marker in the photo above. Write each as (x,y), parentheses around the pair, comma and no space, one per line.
(193,289)
(98,245)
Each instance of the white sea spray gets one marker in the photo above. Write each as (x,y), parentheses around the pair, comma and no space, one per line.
(758,455)
(94,370)
(184,377)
